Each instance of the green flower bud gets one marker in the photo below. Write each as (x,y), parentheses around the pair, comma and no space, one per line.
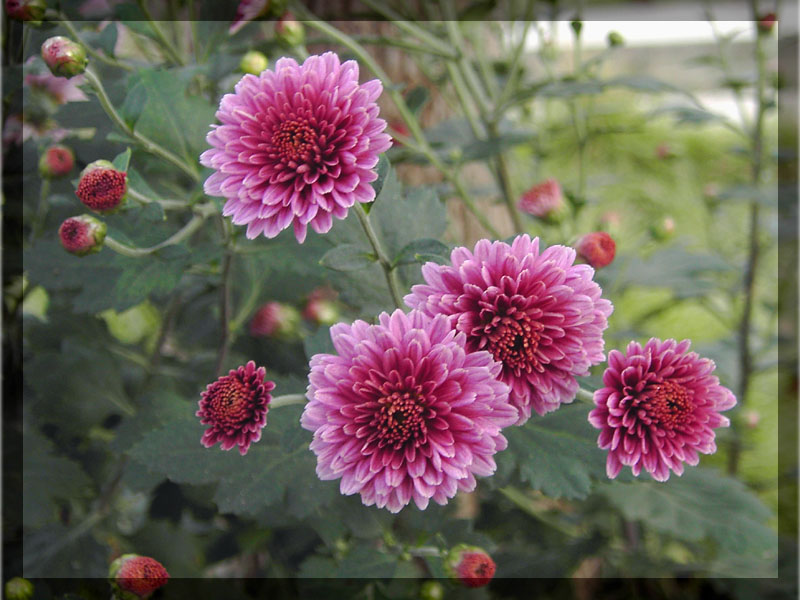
(615,39)
(64,57)
(254,62)
(19,588)
(289,31)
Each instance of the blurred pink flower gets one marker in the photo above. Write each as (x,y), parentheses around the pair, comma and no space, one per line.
(297,146)
(543,200)
(235,406)
(596,248)
(60,89)
(537,313)
(404,411)
(248,10)
(659,408)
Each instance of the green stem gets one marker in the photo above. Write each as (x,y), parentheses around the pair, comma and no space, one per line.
(166,204)
(513,72)
(148,144)
(411,46)
(89,50)
(504,178)
(225,302)
(421,145)
(383,260)
(585,396)
(287,400)
(133,252)
(412,29)
(41,209)
(169,49)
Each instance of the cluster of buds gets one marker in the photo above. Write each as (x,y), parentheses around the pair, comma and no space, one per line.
(135,577)
(64,57)
(26,10)
(57,161)
(102,188)
(544,201)
(469,565)
(82,235)
(596,248)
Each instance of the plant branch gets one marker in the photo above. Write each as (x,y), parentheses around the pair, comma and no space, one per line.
(165,204)
(161,38)
(383,260)
(89,50)
(225,302)
(287,400)
(187,230)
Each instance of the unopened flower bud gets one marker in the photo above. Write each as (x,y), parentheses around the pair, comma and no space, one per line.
(663,230)
(275,319)
(597,249)
(615,39)
(26,10)
(431,590)
(767,22)
(19,588)
(576,25)
(82,235)
(64,57)
(57,161)
(663,151)
(751,418)
(321,308)
(469,565)
(254,62)
(289,31)
(545,201)
(135,577)
(102,188)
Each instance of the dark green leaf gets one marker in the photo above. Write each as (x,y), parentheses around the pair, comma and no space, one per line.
(423,250)
(122,160)
(319,343)
(383,169)
(416,99)
(135,100)
(348,257)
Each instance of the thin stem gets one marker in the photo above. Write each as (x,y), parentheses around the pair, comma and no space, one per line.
(287,400)
(165,204)
(383,260)
(514,70)
(144,141)
(411,46)
(225,302)
(504,178)
(41,209)
(412,29)
(169,49)
(585,396)
(187,230)
(757,142)
(463,98)
(89,50)
(457,40)
(421,145)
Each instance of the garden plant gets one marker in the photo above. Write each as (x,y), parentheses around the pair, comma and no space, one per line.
(408,306)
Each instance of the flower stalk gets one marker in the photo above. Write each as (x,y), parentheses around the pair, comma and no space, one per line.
(380,253)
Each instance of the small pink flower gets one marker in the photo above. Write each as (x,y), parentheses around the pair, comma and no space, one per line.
(60,89)
(596,248)
(82,235)
(659,408)
(235,406)
(544,200)
(57,161)
(536,312)
(64,57)
(404,412)
(275,319)
(297,145)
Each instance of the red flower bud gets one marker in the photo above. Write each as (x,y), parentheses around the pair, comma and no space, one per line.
(321,307)
(597,249)
(275,319)
(26,10)
(470,565)
(102,188)
(133,576)
(767,22)
(64,57)
(82,235)
(544,200)
(57,161)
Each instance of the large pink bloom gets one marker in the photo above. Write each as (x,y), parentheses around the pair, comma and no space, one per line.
(404,411)
(297,145)
(536,312)
(659,408)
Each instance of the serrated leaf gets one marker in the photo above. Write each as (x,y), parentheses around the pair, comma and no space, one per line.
(135,100)
(366,562)
(421,251)
(347,257)
(319,342)
(122,160)
(700,504)
(48,478)
(556,453)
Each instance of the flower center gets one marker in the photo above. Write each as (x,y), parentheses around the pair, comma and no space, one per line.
(230,399)
(669,404)
(400,418)
(513,341)
(295,141)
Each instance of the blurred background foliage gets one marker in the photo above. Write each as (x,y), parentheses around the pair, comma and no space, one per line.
(116,350)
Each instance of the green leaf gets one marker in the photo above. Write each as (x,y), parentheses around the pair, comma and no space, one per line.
(688,115)
(135,100)
(367,562)
(417,98)
(122,160)
(556,454)
(383,168)
(279,468)
(701,504)
(47,479)
(424,250)
(319,343)
(347,257)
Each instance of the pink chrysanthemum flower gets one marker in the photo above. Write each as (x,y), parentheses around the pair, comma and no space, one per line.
(544,200)
(659,408)
(404,411)
(297,145)
(537,313)
(248,10)
(235,406)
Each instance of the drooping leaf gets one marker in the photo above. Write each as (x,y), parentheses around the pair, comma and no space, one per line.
(424,250)
(347,257)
